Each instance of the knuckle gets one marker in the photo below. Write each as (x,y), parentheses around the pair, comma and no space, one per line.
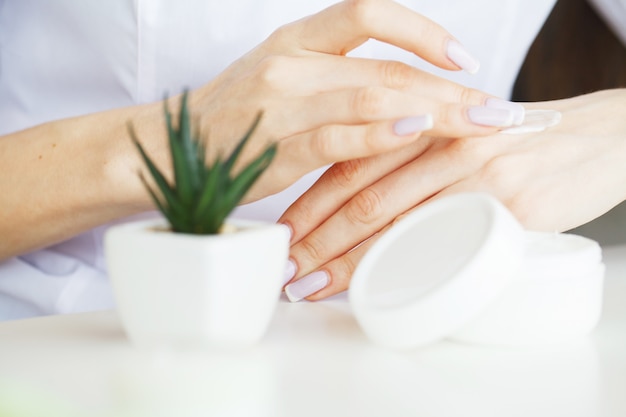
(313,250)
(397,75)
(368,102)
(468,95)
(271,70)
(361,11)
(300,213)
(475,97)
(344,173)
(365,208)
(343,268)
(372,140)
(324,141)
(447,115)
(278,37)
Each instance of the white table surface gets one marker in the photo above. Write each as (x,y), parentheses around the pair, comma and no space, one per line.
(314,361)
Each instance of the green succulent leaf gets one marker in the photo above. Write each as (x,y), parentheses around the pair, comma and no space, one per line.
(206,195)
(189,143)
(166,191)
(230,162)
(248,176)
(200,153)
(174,220)
(203,195)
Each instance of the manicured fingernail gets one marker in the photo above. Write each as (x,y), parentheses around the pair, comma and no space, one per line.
(536,121)
(413,125)
(459,55)
(290,271)
(307,285)
(518,110)
(486,116)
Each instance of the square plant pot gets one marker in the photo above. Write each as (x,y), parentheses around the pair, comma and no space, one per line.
(186,291)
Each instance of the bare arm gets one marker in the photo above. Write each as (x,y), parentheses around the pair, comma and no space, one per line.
(64,177)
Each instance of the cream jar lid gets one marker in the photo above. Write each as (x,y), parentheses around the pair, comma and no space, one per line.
(435,269)
(556,299)
(559,254)
(462,267)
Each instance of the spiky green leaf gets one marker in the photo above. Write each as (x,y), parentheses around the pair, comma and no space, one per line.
(189,142)
(203,194)
(248,176)
(163,208)
(209,191)
(166,191)
(230,162)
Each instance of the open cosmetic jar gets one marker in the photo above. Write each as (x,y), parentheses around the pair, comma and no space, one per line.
(463,268)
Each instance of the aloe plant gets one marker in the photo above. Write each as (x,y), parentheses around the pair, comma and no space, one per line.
(203,194)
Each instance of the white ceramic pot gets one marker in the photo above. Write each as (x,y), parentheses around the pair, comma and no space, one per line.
(177,290)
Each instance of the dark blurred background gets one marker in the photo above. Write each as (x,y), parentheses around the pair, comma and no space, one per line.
(575,53)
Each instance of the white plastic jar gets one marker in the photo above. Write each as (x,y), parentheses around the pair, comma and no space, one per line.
(463,268)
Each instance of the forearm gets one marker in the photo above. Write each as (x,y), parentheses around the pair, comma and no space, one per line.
(64,177)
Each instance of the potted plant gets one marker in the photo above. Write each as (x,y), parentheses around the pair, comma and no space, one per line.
(194,279)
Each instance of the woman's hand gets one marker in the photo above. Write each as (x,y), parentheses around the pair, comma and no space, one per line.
(553,180)
(323,107)
(320,106)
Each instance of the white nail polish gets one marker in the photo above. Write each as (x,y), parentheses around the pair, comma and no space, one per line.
(412,125)
(290,271)
(461,57)
(486,116)
(535,121)
(307,285)
(518,110)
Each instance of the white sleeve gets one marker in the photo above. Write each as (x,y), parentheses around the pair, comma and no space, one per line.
(48,282)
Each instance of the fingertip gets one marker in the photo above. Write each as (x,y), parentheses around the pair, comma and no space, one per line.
(461,57)
(490,117)
(307,286)
(413,124)
(518,110)
(458,120)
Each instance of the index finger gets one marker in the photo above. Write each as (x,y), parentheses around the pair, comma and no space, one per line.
(346,25)
(340,183)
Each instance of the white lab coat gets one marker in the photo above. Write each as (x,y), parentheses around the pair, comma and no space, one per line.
(62,58)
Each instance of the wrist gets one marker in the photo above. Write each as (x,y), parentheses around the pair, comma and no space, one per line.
(121,163)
